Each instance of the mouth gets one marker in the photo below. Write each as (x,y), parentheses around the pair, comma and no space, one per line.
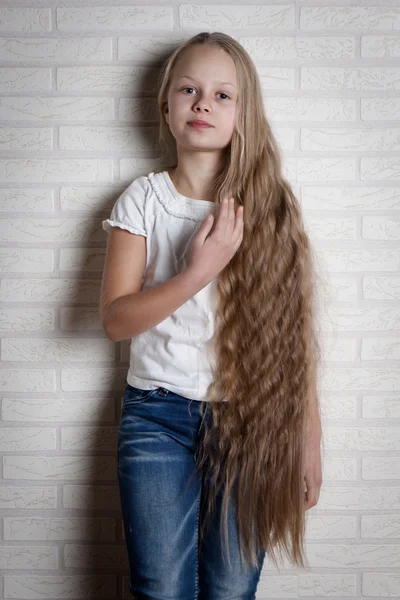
(196,124)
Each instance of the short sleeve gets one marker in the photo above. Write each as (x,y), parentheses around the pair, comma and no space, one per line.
(128,211)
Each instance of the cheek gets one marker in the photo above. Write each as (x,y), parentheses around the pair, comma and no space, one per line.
(179,105)
(232,115)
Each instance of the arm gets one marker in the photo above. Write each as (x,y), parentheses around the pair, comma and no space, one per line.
(312,465)
(132,314)
(313,409)
(314,415)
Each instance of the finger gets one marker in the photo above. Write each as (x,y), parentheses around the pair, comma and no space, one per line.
(312,496)
(239,216)
(238,230)
(204,229)
(223,215)
(307,502)
(230,223)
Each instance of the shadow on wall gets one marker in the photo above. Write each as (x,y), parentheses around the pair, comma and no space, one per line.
(97,551)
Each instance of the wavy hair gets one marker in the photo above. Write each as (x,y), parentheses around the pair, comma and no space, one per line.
(264,351)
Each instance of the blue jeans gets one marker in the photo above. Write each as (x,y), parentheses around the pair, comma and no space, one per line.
(157,438)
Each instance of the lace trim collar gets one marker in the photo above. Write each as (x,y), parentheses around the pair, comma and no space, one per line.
(176,204)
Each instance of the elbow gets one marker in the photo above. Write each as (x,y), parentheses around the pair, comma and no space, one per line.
(106,324)
(114,329)
(107,328)
(112,334)
(109,332)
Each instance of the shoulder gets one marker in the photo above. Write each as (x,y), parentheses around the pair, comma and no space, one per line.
(139,188)
(153,193)
(162,195)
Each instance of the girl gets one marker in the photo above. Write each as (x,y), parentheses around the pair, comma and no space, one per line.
(219,438)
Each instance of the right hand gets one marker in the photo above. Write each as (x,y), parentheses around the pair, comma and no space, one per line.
(209,255)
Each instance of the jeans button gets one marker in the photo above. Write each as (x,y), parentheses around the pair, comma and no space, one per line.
(162,391)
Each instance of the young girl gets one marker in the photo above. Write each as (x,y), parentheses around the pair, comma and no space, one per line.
(219,437)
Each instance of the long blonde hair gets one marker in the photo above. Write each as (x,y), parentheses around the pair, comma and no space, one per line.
(265,341)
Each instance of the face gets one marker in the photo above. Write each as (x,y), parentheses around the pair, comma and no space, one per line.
(203,86)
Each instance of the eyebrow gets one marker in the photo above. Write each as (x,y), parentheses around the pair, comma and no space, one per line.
(220,82)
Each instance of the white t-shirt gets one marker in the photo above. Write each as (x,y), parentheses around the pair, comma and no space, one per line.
(171,354)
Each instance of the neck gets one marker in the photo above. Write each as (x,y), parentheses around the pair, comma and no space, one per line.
(195,186)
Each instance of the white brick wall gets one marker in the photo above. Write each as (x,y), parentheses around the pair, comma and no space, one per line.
(78,123)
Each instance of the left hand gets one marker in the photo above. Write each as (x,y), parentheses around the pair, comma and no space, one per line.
(312,472)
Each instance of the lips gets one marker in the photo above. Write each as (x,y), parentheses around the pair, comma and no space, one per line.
(199,123)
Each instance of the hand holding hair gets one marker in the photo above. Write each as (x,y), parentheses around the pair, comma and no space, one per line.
(211,253)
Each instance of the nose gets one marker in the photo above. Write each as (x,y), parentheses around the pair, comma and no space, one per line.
(201,104)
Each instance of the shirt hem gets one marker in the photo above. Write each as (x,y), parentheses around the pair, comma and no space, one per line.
(108,223)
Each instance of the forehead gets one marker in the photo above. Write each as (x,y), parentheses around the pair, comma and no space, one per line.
(183,77)
(204,64)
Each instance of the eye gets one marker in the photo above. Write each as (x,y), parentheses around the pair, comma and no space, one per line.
(190,88)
